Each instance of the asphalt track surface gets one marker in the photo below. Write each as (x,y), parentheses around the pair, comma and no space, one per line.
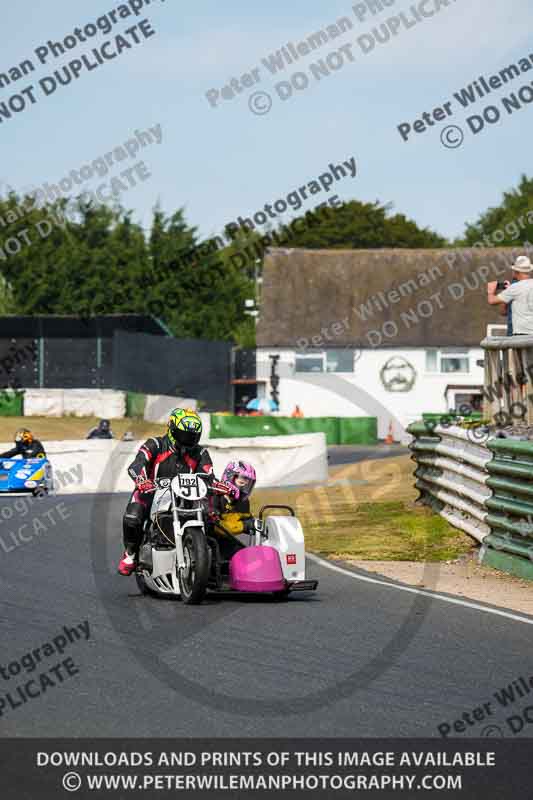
(357,658)
(352,454)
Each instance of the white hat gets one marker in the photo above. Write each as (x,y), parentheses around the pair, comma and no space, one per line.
(523,264)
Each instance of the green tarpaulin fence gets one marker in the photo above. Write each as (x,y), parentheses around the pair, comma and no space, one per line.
(135,404)
(11,404)
(338,430)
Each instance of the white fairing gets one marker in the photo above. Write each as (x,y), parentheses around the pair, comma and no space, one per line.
(285,534)
(162,501)
(163,578)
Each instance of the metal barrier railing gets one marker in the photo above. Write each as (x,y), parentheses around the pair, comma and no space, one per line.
(485,490)
(508,377)
(511,505)
(451,476)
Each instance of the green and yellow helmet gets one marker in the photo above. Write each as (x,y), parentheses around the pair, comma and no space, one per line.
(184,428)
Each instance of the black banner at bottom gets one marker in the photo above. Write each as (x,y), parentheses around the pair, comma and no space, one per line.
(253,768)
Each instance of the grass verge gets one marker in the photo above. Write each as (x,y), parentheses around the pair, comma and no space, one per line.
(60,428)
(367,511)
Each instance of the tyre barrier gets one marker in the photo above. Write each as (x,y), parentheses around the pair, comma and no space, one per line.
(485,490)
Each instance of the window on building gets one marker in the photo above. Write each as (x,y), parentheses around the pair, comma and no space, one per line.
(463,402)
(453,361)
(447,360)
(327,361)
(432,360)
(339,360)
(309,363)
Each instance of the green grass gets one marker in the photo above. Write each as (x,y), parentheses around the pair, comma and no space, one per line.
(388,531)
(368,513)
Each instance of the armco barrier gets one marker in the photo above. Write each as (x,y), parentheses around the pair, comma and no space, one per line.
(436,417)
(338,430)
(451,476)
(485,490)
(510,543)
(99,465)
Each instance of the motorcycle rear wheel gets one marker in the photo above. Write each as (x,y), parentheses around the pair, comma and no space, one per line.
(194,577)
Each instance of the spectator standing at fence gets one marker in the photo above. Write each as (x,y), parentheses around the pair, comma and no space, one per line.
(506,310)
(520,294)
(297,413)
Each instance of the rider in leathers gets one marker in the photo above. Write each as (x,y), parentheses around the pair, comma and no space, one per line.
(166,456)
(26,446)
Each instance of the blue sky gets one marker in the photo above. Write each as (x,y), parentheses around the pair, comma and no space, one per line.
(223,162)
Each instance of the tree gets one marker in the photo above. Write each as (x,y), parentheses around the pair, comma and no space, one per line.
(356,225)
(7,300)
(242,267)
(510,223)
(197,288)
(93,263)
(171,241)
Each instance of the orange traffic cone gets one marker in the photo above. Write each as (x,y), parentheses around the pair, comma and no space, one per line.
(389,439)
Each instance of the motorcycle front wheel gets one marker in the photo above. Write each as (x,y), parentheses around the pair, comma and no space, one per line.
(194,576)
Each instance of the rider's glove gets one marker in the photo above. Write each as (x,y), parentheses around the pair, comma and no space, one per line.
(221,487)
(234,491)
(144,485)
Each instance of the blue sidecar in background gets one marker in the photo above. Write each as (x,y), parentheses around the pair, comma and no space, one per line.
(26,475)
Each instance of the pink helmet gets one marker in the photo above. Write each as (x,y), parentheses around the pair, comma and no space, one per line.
(240,469)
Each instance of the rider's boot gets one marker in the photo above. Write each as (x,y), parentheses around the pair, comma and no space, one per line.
(127,564)
(132,531)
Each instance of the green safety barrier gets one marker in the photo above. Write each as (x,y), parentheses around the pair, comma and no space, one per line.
(424,442)
(450,417)
(358,430)
(351,430)
(508,546)
(11,404)
(506,562)
(135,404)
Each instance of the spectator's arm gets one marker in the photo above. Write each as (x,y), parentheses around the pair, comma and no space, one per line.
(493,299)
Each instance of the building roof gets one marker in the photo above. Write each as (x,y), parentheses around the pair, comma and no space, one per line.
(424,298)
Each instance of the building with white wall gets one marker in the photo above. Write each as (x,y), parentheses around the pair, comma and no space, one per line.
(383,333)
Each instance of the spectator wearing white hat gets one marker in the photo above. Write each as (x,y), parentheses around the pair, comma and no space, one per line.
(520,294)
